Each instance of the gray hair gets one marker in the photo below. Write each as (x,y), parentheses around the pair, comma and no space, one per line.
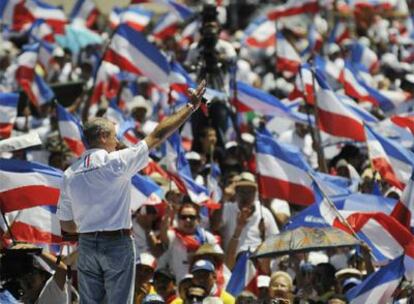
(94,128)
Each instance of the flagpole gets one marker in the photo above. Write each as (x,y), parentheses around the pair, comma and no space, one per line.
(8,227)
(321,155)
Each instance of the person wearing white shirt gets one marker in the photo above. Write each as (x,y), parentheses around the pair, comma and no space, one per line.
(95,201)
(246,223)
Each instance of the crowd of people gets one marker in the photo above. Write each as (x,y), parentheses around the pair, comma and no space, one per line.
(191,239)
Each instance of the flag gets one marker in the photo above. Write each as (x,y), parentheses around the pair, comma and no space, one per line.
(26,63)
(379,286)
(188,34)
(333,115)
(354,86)
(45,55)
(70,130)
(261,33)
(287,59)
(131,51)
(339,33)
(179,169)
(392,161)
(51,14)
(8,113)
(328,68)
(36,225)
(250,99)
(40,30)
(293,7)
(85,11)
(304,84)
(243,276)
(282,172)
(135,17)
(104,74)
(145,192)
(315,42)
(166,26)
(402,210)
(363,55)
(38,91)
(27,184)
(15,14)
(404,121)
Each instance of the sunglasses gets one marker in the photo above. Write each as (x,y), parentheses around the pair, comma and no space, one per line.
(189,216)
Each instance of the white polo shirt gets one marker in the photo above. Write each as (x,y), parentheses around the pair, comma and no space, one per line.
(250,236)
(96,190)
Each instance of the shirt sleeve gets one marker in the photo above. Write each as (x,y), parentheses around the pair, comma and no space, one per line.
(132,159)
(64,207)
(270,223)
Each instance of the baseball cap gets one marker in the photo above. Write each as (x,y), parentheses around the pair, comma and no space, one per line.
(146,259)
(203,265)
(153,299)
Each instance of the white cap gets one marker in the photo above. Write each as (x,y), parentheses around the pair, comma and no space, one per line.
(231,144)
(263,281)
(333,48)
(140,102)
(193,156)
(247,137)
(58,52)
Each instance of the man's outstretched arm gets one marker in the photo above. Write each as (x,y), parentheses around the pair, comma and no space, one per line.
(173,122)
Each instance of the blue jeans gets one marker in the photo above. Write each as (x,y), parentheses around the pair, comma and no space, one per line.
(106,268)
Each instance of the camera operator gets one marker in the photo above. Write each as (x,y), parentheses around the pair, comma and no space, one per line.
(30,268)
(212,58)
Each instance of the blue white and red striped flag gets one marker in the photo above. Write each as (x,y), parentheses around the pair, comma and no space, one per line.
(131,51)
(28,184)
(51,14)
(287,59)
(145,192)
(293,7)
(252,99)
(85,11)
(402,210)
(282,172)
(38,225)
(333,114)
(8,113)
(392,161)
(339,33)
(243,276)
(135,17)
(70,130)
(261,33)
(363,55)
(40,30)
(15,14)
(38,90)
(379,286)
(166,27)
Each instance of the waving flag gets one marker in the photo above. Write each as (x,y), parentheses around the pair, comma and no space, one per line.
(104,74)
(38,91)
(353,84)
(166,26)
(304,84)
(379,286)
(26,63)
(287,59)
(52,15)
(86,11)
(145,192)
(404,121)
(189,33)
(402,210)
(180,82)
(131,51)
(179,169)
(261,33)
(40,30)
(350,203)
(45,55)
(8,113)
(361,54)
(243,276)
(70,129)
(328,68)
(252,99)
(282,172)
(27,184)
(315,42)
(15,14)
(363,114)
(135,17)
(294,7)
(334,115)
(339,33)
(393,162)
(36,225)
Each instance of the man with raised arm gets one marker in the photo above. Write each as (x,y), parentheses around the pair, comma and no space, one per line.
(95,202)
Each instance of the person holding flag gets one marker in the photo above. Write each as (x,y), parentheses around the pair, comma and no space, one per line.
(95,202)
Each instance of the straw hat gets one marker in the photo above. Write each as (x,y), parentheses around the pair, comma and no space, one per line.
(245,179)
